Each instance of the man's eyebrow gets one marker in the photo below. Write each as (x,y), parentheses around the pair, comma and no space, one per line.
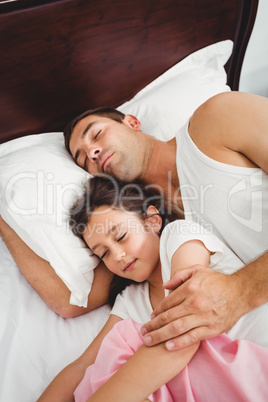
(88,127)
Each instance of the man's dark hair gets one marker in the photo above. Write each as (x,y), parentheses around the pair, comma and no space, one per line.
(108,112)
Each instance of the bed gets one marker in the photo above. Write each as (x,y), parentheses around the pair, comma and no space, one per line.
(156,59)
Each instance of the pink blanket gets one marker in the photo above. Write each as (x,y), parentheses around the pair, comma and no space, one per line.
(221,370)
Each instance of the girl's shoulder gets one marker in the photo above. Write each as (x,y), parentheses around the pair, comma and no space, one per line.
(186,227)
(181,231)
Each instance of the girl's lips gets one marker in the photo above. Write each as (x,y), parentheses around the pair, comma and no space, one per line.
(129,266)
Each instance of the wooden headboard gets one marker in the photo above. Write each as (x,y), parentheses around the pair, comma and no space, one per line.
(59,58)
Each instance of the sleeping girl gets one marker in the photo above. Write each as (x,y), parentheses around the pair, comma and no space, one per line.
(143,243)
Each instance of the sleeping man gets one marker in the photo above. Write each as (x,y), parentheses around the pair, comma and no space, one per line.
(215,170)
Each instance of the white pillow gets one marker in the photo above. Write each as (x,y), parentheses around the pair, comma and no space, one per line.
(39,181)
(165,104)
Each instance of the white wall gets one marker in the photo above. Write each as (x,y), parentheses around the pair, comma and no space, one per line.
(254,74)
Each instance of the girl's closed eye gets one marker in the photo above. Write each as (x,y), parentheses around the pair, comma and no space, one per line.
(104,254)
(121,237)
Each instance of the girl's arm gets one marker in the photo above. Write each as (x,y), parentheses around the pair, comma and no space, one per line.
(191,253)
(64,385)
(150,368)
(201,302)
(146,371)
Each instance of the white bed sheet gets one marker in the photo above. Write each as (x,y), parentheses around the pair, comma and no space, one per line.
(35,343)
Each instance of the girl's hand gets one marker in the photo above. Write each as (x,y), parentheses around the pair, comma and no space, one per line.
(204,304)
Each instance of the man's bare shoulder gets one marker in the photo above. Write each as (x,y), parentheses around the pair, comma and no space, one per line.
(216,110)
(224,127)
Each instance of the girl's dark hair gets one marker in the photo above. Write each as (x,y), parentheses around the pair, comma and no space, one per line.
(131,197)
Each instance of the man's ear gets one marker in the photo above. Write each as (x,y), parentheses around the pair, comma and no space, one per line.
(132,122)
(154,219)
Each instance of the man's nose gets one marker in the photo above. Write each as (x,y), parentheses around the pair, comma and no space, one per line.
(93,153)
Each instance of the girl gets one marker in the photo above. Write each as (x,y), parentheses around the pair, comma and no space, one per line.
(121,225)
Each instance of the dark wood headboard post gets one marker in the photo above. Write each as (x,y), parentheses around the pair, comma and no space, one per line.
(246,20)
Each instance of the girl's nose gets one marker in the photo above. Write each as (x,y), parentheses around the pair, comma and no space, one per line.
(118,253)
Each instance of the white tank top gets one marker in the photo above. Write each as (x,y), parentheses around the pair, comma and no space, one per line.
(134,302)
(230,200)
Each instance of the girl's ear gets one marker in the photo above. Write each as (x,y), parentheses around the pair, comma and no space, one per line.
(132,122)
(154,219)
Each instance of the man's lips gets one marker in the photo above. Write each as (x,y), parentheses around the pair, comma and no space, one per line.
(129,266)
(105,161)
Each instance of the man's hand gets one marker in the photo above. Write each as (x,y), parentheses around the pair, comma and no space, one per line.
(204,304)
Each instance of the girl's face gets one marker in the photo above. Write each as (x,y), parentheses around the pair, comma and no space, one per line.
(128,246)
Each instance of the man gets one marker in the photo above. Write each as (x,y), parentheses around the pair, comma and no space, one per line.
(227,139)
(229,129)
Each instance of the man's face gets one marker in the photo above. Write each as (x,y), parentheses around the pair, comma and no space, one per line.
(101,145)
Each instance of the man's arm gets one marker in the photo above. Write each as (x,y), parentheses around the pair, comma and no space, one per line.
(231,128)
(42,277)
(206,303)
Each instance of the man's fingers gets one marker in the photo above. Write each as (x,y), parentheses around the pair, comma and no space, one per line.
(180,277)
(174,299)
(190,338)
(171,330)
(197,309)
(161,320)
(173,283)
